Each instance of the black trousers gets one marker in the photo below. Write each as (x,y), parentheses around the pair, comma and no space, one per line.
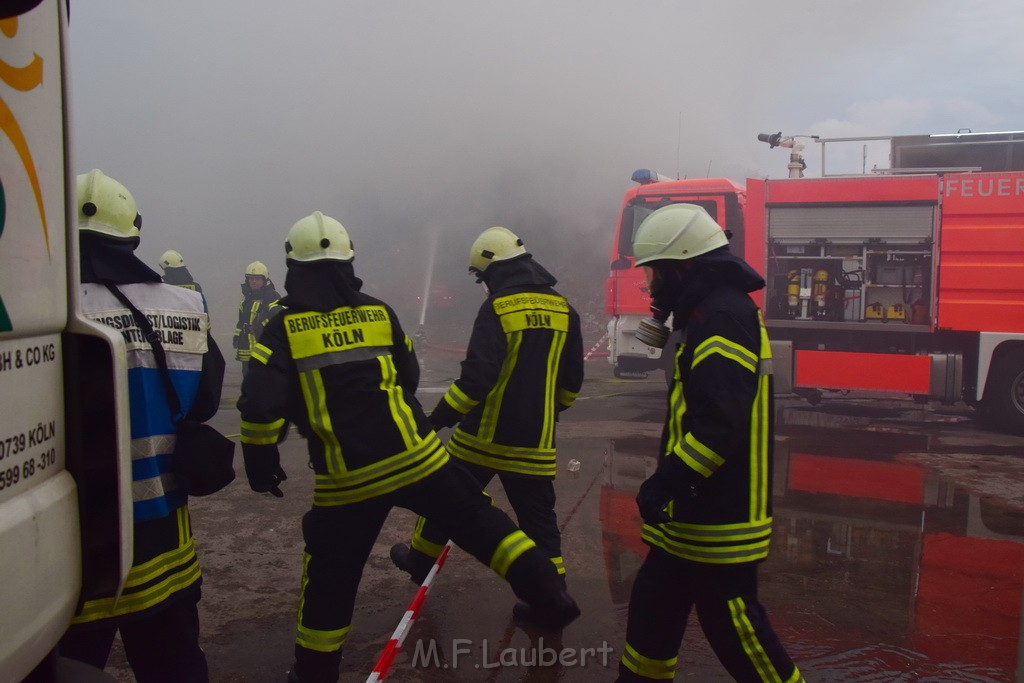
(339,540)
(733,621)
(161,647)
(531,498)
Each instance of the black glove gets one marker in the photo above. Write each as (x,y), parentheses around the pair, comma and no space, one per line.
(444,416)
(672,481)
(263,469)
(655,494)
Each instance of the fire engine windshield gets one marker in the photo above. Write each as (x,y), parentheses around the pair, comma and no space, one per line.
(642,207)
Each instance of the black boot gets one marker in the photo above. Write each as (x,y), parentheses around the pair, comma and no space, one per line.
(552,617)
(413,562)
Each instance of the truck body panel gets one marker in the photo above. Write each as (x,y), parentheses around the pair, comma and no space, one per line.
(52,545)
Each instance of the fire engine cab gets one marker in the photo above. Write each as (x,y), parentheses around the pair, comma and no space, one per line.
(905,280)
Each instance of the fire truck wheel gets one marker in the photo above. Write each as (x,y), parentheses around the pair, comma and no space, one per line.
(1003,406)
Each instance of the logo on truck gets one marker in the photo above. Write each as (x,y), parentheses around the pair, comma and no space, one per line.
(23,79)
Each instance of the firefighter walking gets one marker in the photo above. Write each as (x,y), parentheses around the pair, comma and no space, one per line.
(337,364)
(259,301)
(707,509)
(157,613)
(523,366)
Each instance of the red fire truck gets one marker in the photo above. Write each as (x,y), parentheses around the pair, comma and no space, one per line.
(907,280)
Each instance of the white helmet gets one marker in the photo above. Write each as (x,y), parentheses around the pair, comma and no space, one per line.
(677,232)
(257,269)
(171,259)
(318,238)
(494,244)
(105,206)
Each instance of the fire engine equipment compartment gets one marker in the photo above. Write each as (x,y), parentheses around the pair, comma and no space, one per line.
(864,264)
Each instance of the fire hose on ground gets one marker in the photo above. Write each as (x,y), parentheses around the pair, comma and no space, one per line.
(380,669)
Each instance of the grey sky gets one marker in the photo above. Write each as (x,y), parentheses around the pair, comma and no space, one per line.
(231,120)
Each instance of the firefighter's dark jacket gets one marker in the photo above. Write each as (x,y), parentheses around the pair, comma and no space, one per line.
(256,309)
(719,428)
(336,363)
(523,365)
(181,277)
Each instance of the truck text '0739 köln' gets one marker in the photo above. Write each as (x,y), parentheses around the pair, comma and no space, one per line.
(907,280)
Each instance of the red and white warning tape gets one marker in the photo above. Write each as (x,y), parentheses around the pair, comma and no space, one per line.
(594,348)
(380,669)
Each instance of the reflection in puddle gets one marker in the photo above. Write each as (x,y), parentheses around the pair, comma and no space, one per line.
(879,571)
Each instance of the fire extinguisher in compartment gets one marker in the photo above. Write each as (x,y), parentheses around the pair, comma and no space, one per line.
(793,293)
(820,293)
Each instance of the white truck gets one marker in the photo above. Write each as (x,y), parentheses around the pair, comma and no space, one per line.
(65,521)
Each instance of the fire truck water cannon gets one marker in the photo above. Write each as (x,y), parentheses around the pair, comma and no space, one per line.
(797,165)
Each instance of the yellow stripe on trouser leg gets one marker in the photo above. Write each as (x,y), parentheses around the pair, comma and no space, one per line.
(311,638)
(509,550)
(751,645)
(421,544)
(559,564)
(655,669)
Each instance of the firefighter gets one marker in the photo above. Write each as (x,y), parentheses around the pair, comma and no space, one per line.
(707,509)
(523,366)
(337,364)
(176,273)
(157,614)
(259,304)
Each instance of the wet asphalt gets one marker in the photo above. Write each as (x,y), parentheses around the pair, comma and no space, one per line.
(897,554)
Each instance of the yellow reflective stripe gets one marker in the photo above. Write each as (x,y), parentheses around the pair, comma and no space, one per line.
(697,456)
(760,423)
(261,353)
(244,354)
(492,406)
(421,544)
(509,550)
(760,419)
(751,645)
(729,349)
(408,343)
(328,491)
(676,403)
(320,419)
(547,434)
(718,532)
(559,563)
(400,410)
(321,641)
(522,460)
(458,399)
(567,398)
(261,433)
(657,669)
(688,547)
(184,525)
